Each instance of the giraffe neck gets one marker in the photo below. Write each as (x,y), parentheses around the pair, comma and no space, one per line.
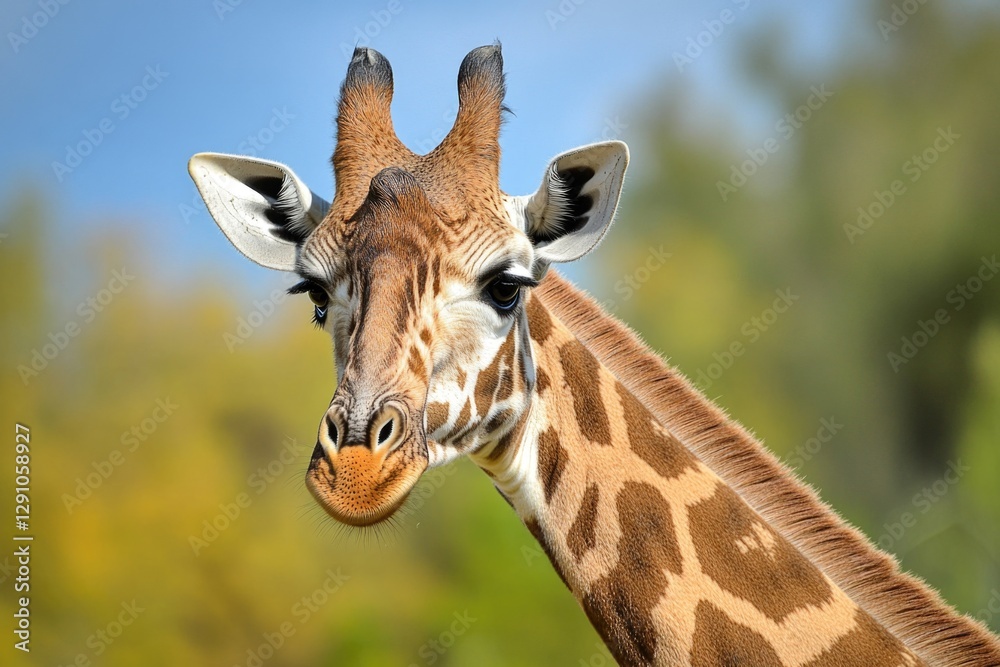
(669,563)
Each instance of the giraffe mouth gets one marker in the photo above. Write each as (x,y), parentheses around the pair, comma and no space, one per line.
(361,488)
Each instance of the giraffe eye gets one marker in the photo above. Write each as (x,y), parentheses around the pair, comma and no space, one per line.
(320,304)
(318,296)
(503,293)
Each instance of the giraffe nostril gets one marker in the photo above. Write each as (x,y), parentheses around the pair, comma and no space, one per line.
(331,430)
(386,432)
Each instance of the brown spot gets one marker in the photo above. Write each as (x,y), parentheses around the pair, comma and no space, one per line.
(776,578)
(437,416)
(512,437)
(425,336)
(718,640)
(582,534)
(867,644)
(497,420)
(506,386)
(620,604)
(664,455)
(489,378)
(460,379)
(463,416)
(539,320)
(435,275)
(582,372)
(416,364)
(536,532)
(542,381)
(552,458)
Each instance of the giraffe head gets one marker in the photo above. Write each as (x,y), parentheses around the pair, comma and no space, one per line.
(419,270)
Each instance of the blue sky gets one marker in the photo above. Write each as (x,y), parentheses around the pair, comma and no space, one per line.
(235,76)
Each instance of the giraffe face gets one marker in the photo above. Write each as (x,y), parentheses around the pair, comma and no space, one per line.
(419,308)
(418,270)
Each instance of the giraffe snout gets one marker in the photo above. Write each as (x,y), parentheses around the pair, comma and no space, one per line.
(365,463)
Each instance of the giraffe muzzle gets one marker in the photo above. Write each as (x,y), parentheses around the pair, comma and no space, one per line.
(363,478)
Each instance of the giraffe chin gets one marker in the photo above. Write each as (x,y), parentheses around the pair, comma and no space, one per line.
(359,488)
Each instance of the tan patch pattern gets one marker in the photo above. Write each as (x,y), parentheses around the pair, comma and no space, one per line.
(902,604)
(510,439)
(582,534)
(416,364)
(867,645)
(437,416)
(718,640)
(582,373)
(663,454)
(463,417)
(489,380)
(777,585)
(552,458)
(542,381)
(539,321)
(620,604)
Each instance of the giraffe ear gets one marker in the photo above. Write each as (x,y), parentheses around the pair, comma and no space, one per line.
(262,207)
(576,202)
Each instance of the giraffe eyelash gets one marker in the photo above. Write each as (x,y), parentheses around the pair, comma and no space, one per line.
(319,317)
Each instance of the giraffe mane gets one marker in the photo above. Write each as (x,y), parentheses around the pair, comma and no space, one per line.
(905,605)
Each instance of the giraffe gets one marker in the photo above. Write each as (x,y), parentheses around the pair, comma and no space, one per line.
(683,539)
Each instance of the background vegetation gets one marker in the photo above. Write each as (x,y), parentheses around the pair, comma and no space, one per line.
(238,402)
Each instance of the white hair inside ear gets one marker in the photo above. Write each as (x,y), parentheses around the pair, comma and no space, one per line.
(262,207)
(575,204)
